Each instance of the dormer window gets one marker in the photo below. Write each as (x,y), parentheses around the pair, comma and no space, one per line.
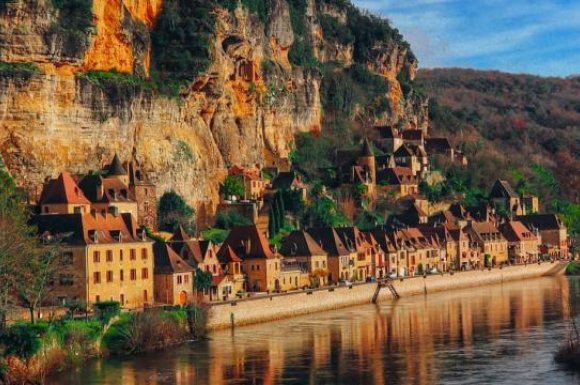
(94,235)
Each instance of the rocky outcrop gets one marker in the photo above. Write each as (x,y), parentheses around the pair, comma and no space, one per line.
(245,108)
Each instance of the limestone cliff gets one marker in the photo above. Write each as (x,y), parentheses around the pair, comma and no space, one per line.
(243,107)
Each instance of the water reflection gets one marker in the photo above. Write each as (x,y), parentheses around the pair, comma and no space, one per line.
(500,334)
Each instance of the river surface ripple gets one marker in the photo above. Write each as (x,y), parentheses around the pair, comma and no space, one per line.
(504,334)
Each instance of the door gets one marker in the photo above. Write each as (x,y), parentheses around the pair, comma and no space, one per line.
(182,298)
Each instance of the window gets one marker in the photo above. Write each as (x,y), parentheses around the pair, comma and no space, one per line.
(121,275)
(96,277)
(214,269)
(144,273)
(97,298)
(122,299)
(133,274)
(109,255)
(109,276)
(143,254)
(133,255)
(186,279)
(96,256)
(67,258)
(179,279)
(121,255)
(66,280)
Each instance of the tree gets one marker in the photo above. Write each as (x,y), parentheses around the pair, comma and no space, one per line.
(173,212)
(202,280)
(324,212)
(368,220)
(226,220)
(17,240)
(36,277)
(233,186)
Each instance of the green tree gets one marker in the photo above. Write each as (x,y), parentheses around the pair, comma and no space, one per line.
(233,185)
(227,220)
(202,280)
(324,212)
(173,212)
(38,272)
(368,220)
(18,241)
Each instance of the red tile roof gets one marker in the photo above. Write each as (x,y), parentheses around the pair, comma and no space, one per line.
(62,190)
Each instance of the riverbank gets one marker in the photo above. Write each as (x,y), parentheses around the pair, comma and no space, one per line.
(280,306)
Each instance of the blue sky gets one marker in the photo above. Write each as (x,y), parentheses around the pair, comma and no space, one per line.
(521,36)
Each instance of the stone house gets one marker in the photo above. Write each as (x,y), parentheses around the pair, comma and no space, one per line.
(355,241)
(261,265)
(105,257)
(63,196)
(523,244)
(413,157)
(173,277)
(505,199)
(301,249)
(553,232)
(341,260)
(489,240)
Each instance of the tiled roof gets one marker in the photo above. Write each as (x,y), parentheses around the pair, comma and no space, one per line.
(516,231)
(62,190)
(168,261)
(248,243)
(300,243)
(86,229)
(329,240)
(397,176)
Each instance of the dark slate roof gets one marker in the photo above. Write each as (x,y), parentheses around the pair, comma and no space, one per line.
(413,134)
(388,132)
(228,255)
(248,243)
(329,240)
(114,190)
(437,145)
(301,244)
(167,261)
(384,240)
(541,221)
(62,190)
(116,167)
(366,148)
(502,189)
(180,235)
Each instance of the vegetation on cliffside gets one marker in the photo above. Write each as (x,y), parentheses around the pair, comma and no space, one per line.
(521,128)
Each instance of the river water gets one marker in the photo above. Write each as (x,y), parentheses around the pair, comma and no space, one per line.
(504,334)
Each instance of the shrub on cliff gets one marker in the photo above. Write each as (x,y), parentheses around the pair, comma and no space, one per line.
(173,212)
(22,71)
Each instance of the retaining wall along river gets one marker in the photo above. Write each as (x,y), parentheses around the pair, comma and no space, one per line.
(279,306)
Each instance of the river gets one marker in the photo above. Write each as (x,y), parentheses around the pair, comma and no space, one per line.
(504,334)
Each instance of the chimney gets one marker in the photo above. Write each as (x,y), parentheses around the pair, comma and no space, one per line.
(100,189)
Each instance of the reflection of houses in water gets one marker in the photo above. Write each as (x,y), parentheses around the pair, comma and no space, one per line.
(398,343)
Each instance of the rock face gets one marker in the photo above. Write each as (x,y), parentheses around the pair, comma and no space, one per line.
(244,109)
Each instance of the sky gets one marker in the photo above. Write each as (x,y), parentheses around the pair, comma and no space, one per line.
(519,36)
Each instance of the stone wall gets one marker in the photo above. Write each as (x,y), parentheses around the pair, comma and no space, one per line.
(273,307)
